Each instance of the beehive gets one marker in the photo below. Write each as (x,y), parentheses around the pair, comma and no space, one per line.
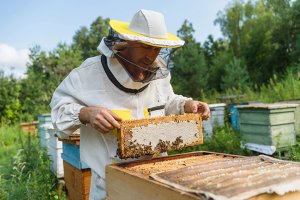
(45,124)
(77,182)
(297,113)
(268,124)
(216,119)
(203,175)
(159,134)
(54,148)
(29,127)
(77,174)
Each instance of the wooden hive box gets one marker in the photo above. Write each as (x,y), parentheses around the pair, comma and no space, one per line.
(45,123)
(77,182)
(30,127)
(297,113)
(217,113)
(158,134)
(71,155)
(268,124)
(218,176)
(77,174)
(54,149)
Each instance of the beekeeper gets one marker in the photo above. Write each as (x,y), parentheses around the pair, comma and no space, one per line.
(128,74)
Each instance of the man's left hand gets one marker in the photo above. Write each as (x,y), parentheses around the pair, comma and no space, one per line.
(191,106)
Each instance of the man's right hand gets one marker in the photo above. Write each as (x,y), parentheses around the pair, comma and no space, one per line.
(102,119)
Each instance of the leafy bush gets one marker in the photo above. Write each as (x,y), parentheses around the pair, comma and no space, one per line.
(224,140)
(25,168)
(278,89)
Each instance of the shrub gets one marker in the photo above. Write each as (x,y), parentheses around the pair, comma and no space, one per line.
(25,172)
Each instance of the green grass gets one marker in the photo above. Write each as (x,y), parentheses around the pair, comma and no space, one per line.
(9,137)
(25,167)
(291,153)
(224,140)
(286,88)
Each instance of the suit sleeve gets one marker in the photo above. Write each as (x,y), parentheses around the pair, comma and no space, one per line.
(175,103)
(65,106)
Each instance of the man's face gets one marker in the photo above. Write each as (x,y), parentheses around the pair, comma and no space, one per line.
(142,55)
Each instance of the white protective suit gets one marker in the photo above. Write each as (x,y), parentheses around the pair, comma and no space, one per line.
(88,85)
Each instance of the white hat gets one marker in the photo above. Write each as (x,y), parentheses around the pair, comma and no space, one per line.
(148,27)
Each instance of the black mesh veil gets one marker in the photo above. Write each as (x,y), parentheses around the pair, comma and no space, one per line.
(159,69)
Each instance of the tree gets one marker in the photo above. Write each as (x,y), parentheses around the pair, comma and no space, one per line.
(10,107)
(217,55)
(212,48)
(44,74)
(255,33)
(217,69)
(295,14)
(87,40)
(189,76)
(235,75)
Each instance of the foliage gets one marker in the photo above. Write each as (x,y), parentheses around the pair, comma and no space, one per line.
(291,153)
(254,31)
(88,39)
(189,76)
(212,48)
(235,74)
(44,74)
(10,106)
(24,167)
(278,89)
(224,140)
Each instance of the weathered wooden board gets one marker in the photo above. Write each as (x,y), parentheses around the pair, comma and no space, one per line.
(131,180)
(73,138)
(77,182)
(235,179)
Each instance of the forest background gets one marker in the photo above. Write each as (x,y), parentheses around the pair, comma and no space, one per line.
(259,53)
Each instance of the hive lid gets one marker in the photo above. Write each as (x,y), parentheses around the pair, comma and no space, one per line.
(45,115)
(240,178)
(216,105)
(267,106)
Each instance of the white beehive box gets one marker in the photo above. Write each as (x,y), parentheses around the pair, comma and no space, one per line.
(45,124)
(217,113)
(54,152)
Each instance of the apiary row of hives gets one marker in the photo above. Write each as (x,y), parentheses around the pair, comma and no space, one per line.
(206,175)
(200,175)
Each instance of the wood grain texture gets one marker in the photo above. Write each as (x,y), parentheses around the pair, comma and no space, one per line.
(126,181)
(241,178)
(77,182)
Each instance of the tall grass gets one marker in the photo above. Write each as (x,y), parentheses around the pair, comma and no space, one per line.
(224,140)
(24,167)
(286,88)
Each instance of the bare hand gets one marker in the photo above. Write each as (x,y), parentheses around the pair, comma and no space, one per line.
(102,119)
(191,106)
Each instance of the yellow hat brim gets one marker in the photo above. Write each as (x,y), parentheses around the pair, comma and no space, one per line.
(122,28)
